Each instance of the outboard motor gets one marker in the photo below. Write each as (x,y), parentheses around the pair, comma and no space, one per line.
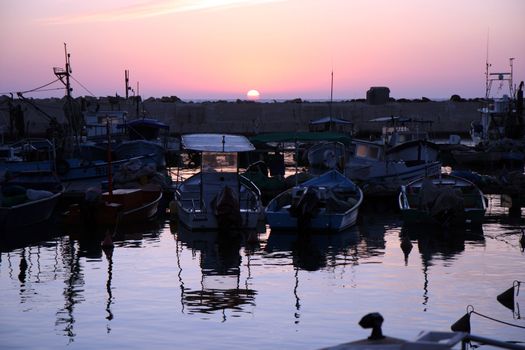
(227,209)
(305,206)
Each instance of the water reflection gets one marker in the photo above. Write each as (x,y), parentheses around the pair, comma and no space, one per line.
(74,286)
(312,252)
(436,242)
(108,252)
(29,235)
(67,258)
(220,284)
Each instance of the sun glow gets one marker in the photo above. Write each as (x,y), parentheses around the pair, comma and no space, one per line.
(253,95)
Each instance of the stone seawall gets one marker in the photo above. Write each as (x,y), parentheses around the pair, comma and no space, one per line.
(256,117)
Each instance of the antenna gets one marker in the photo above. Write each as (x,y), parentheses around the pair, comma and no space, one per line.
(487,65)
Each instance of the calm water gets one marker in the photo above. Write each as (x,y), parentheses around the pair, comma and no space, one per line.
(163,287)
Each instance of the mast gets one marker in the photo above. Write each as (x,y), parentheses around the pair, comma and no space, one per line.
(71,114)
(110,174)
(331,97)
(64,74)
(126,81)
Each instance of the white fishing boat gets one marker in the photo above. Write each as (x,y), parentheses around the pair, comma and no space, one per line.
(381,171)
(218,197)
(329,202)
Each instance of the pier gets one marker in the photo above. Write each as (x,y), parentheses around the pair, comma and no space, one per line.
(248,117)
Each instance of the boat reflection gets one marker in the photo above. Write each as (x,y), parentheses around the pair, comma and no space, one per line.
(29,235)
(220,262)
(437,244)
(132,236)
(313,251)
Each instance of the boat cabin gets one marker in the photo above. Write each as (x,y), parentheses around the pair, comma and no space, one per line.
(367,150)
(96,124)
(399,130)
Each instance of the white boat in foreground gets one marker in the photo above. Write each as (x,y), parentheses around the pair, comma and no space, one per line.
(218,197)
(328,202)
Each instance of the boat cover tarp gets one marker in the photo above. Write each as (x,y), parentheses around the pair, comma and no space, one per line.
(216,143)
(437,200)
(149,122)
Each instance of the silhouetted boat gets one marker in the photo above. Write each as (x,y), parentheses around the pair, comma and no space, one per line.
(442,200)
(328,202)
(119,207)
(28,198)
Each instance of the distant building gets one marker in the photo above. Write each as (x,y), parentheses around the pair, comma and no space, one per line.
(378,95)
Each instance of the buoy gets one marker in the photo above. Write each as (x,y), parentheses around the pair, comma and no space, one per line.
(462,325)
(507,298)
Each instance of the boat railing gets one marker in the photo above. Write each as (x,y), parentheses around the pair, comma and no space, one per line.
(404,197)
(250,185)
(468,338)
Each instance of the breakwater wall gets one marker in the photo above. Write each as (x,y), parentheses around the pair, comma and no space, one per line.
(246,117)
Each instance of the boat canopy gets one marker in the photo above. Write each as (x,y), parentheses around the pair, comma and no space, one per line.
(216,143)
(397,119)
(146,122)
(325,120)
(301,137)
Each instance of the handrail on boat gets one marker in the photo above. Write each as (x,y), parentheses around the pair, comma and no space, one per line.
(487,341)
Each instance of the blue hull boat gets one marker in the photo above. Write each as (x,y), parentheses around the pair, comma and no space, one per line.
(329,202)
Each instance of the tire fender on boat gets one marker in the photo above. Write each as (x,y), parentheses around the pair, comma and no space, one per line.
(329,159)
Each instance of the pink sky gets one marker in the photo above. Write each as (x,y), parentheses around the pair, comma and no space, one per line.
(220,49)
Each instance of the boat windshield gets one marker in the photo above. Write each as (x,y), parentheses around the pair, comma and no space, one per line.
(219,162)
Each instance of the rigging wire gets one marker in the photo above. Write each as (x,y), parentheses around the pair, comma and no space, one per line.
(32,90)
(85,88)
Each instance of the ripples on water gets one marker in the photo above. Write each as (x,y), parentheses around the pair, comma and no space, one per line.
(164,287)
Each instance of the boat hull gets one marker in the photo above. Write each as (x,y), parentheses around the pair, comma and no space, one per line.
(196,201)
(123,207)
(29,213)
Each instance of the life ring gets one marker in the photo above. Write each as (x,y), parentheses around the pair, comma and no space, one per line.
(62,167)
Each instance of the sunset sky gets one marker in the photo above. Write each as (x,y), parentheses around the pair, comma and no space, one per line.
(220,49)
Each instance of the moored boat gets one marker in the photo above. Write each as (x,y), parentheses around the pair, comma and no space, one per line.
(443,200)
(381,173)
(329,202)
(28,198)
(116,207)
(218,197)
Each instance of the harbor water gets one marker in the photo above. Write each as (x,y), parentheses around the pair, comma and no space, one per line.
(163,287)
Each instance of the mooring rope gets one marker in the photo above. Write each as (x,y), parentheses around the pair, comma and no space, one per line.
(492,318)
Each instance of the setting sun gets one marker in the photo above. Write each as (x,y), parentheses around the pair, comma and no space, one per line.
(253,95)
